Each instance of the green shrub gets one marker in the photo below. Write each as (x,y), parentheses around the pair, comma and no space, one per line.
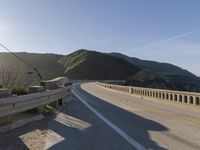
(19,91)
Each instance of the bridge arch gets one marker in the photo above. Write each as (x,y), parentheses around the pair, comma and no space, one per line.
(143,92)
(163,95)
(160,96)
(175,97)
(153,94)
(180,98)
(171,96)
(156,94)
(167,96)
(185,99)
(197,101)
(191,100)
(150,93)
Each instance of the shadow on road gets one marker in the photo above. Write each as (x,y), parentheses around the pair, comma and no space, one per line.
(11,140)
(99,136)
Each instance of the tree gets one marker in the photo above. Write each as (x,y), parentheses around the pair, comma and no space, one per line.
(16,78)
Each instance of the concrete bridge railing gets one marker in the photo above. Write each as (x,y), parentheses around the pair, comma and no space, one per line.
(170,95)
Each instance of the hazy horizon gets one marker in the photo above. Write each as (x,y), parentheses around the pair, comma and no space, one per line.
(164,31)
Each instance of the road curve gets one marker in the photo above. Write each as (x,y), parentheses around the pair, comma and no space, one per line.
(101,119)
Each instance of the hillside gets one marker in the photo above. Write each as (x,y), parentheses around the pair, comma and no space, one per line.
(91,65)
(161,75)
(84,64)
(153,66)
(47,65)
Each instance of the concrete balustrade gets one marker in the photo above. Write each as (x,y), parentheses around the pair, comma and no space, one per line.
(169,95)
(54,83)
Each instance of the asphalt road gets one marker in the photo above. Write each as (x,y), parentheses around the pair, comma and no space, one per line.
(101,119)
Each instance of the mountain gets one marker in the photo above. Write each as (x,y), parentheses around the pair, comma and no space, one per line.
(153,66)
(92,65)
(161,75)
(47,64)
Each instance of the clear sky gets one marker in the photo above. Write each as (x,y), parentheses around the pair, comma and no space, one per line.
(161,30)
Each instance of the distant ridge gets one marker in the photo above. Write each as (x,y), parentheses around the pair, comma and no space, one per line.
(47,64)
(161,75)
(85,64)
(92,65)
(153,66)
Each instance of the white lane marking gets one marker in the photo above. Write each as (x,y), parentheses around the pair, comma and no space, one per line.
(129,139)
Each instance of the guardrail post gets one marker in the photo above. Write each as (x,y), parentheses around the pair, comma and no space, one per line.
(35,89)
(5,93)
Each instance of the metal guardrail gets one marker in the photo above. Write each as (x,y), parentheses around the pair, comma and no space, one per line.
(177,96)
(13,105)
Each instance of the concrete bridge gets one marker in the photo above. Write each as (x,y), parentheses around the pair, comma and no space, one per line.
(106,116)
(177,96)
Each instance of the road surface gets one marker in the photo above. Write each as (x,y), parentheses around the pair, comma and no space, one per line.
(102,119)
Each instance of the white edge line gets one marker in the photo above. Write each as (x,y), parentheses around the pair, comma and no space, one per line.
(129,139)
